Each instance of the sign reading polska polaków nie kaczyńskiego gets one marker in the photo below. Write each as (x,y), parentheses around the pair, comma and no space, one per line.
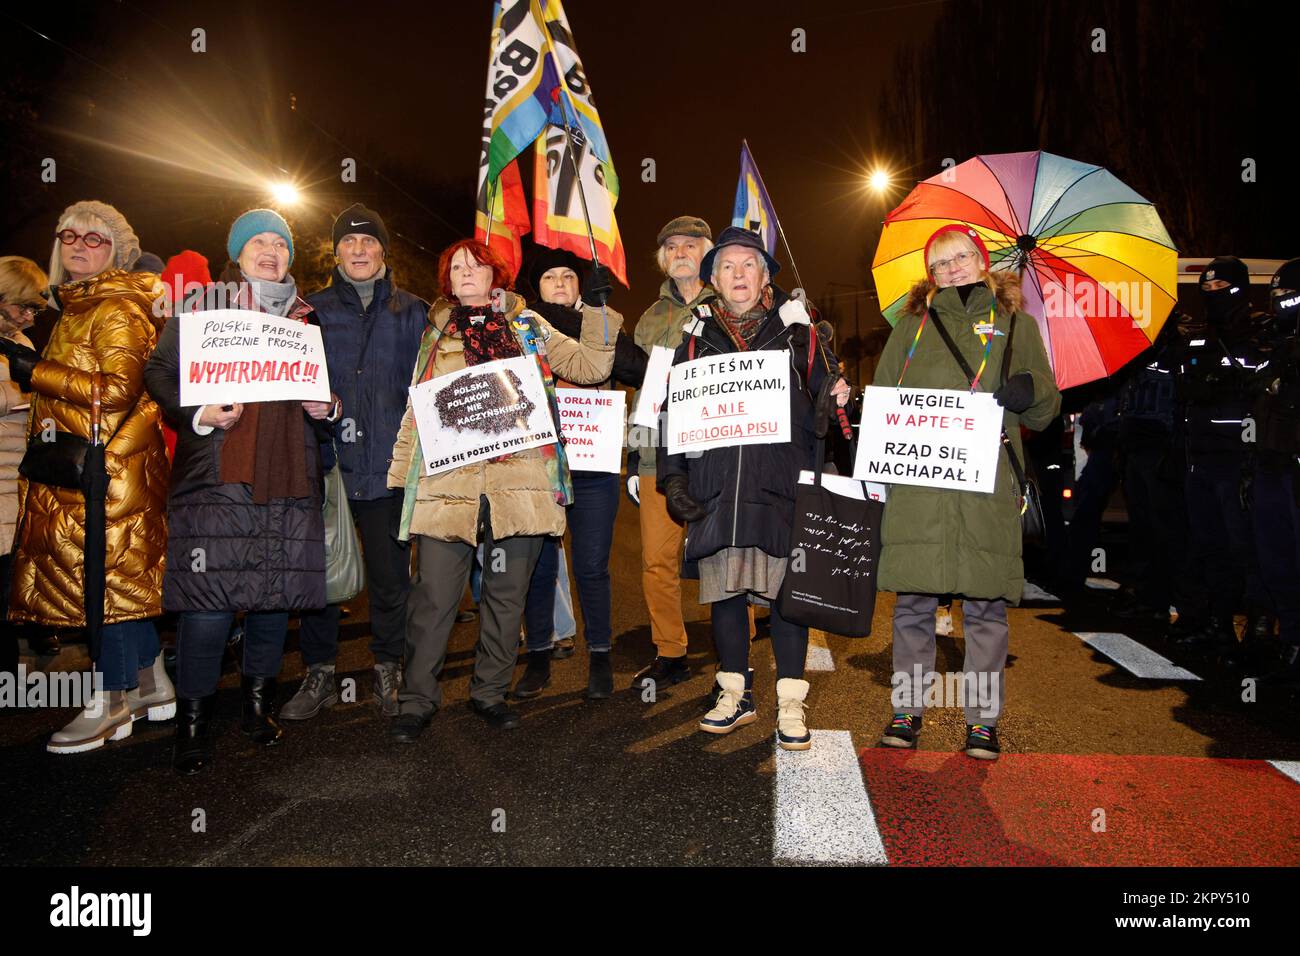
(740,398)
(483,411)
(237,355)
(591,421)
(937,437)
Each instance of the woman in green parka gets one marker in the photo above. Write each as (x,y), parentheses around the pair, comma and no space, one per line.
(938,541)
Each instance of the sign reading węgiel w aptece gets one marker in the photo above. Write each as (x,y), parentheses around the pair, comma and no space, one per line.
(929,436)
(741,398)
(237,355)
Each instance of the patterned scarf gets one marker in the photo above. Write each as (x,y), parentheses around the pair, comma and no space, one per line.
(742,328)
(486,340)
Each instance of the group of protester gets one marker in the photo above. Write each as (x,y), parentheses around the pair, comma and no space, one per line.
(229,526)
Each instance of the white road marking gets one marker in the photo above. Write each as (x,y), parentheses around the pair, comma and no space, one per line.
(819,653)
(1289,767)
(1034,593)
(1102,584)
(1135,658)
(823,814)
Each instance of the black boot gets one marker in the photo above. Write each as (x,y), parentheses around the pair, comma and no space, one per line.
(600,677)
(537,675)
(258,720)
(1215,634)
(193,750)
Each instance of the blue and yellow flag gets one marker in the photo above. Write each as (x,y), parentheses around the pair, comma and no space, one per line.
(753,208)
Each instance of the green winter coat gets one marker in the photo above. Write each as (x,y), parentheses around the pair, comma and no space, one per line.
(661,324)
(939,541)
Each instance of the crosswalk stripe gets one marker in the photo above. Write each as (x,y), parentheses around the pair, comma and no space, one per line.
(823,813)
(1135,658)
(819,653)
(1289,767)
(1033,592)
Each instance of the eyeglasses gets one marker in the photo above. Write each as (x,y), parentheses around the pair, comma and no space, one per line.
(93,240)
(27,311)
(960,261)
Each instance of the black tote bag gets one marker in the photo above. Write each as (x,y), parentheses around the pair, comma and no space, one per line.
(830,579)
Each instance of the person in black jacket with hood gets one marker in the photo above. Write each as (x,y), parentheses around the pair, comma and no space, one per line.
(738,501)
(371,329)
(555,275)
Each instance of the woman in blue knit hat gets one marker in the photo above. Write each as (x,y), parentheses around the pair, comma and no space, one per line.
(245,532)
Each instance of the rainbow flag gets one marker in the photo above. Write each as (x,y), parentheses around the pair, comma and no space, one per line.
(753,209)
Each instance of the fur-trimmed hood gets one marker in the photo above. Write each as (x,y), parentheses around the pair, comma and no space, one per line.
(1006,287)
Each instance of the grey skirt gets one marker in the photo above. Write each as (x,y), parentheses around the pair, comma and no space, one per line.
(732,571)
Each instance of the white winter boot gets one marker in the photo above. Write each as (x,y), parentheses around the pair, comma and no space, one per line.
(732,709)
(791,732)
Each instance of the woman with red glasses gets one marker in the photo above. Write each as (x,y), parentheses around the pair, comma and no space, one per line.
(105,333)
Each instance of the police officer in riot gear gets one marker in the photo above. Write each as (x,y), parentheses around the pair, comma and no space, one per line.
(1277,472)
(1218,382)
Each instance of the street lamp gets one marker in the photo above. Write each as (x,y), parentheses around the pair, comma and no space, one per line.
(285,193)
(879,181)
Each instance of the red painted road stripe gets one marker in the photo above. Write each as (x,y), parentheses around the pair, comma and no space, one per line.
(945,809)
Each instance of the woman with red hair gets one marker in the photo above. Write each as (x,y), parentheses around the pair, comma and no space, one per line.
(509,503)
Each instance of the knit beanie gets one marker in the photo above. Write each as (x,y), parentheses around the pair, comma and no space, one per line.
(966,231)
(252,223)
(358,220)
(126,247)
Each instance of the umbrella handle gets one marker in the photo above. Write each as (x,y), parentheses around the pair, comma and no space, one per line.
(96,386)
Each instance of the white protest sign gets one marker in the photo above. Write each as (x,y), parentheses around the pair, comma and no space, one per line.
(740,398)
(654,388)
(929,436)
(484,411)
(591,421)
(237,355)
(848,487)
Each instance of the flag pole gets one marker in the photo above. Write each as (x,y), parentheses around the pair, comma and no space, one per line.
(568,129)
(794,268)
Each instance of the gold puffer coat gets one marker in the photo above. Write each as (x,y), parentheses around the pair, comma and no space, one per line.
(107,325)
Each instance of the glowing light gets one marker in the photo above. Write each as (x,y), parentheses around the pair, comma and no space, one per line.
(879,180)
(286,194)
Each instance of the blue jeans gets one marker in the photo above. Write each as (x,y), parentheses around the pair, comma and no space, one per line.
(201,643)
(591,519)
(124,650)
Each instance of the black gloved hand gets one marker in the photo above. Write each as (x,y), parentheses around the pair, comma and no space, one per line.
(1246,490)
(598,286)
(22,361)
(681,506)
(1016,393)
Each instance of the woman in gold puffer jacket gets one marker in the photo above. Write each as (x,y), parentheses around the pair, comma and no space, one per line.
(107,326)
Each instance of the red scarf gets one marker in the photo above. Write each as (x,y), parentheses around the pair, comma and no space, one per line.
(486,333)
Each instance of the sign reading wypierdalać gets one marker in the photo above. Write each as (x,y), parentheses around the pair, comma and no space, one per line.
(591,421)
(484,411)
(929,436)
(740,398)
(237,355)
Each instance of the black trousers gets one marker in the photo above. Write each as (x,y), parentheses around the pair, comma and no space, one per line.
(388,582)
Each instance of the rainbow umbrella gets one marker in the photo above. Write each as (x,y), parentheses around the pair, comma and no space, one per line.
(1099,270)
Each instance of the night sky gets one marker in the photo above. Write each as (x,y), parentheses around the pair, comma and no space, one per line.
(400,87)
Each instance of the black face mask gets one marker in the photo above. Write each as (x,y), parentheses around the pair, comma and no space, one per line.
(1224,306)
(1285,306)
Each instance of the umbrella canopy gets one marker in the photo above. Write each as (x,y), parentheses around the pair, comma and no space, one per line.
(1099,269)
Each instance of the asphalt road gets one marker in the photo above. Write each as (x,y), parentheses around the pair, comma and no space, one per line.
(624,781)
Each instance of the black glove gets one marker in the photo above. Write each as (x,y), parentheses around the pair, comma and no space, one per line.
(681,506)
(598,286)
(22,361)
(1246,490)
(1016,393)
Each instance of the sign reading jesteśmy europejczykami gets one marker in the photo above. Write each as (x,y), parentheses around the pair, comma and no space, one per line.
(929,436)
(483,411)
(741,398)
(237,355)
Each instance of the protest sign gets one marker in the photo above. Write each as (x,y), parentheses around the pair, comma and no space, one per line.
(237,355)
(484,411)
(654,387)
(591,421)
(929,436)
(740,398)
